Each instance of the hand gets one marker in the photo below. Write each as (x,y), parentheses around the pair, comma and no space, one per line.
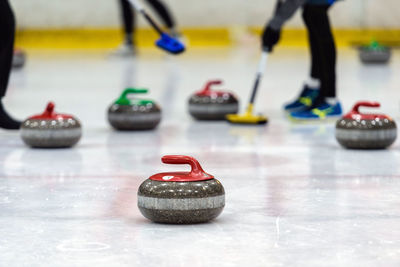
(270,38)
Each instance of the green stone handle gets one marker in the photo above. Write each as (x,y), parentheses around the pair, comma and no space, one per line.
(376,46)
(124,100)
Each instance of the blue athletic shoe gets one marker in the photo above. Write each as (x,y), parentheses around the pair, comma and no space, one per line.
(322,111)
(304,101)
(170,44)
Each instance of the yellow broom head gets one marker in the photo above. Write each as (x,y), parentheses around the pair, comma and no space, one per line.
(247,118)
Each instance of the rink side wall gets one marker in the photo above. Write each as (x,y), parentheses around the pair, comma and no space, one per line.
(60,23)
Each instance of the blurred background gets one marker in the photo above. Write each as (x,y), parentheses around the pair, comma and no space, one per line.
(96,23)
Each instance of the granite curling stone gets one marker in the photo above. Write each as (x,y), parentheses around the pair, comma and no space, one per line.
(208,104)
(19,58)
(181,197)
(375,54)
(134,114)
(51,130)
(365,131)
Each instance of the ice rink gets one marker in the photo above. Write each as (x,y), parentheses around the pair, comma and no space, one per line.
(294,197)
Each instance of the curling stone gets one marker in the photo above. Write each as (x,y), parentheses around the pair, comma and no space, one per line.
(212,105)
(51,130)
(181,197)
(365,131)
(375,54)
(134,114)
(19,59)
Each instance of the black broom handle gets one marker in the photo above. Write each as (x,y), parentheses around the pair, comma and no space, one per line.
(136,4)
(255,89)
(152,22)
(261,68)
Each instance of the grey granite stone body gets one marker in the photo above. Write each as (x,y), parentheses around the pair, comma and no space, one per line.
(134,117)
(181,216)
(213,108)
(51,133)
(366,134)
(181,202)
(369,56)
(18,60)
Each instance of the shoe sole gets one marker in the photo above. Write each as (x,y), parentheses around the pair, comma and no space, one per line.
(315,120)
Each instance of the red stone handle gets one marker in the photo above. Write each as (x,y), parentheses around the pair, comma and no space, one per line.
(49,109)
(196,171)
(365,104)
(210,84)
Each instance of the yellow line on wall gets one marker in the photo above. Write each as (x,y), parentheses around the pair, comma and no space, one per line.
(109,38)
(343,37)
(197,37)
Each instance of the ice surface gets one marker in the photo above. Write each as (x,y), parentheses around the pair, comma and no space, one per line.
(294,197)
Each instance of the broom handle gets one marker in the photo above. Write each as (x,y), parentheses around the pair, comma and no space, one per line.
(136,4)
(261,68)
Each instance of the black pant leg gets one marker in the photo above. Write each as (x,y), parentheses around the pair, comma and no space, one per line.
(314,54)
(7,32)
(323,49)
(163,12)
(128,17)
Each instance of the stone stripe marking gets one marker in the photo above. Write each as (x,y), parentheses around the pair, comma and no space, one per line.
(181,204)
(366,135)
